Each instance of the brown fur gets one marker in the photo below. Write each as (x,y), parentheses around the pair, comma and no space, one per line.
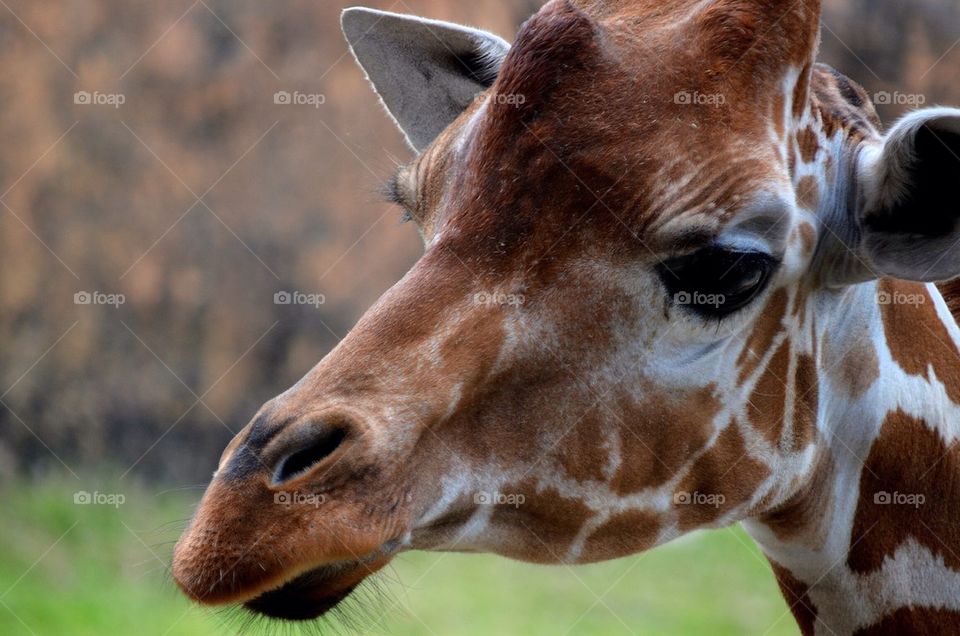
(806,397)
(763,335)
(796,594)
(924,350)
(655,459)
(727,470)
(951,294)
(766,406)
(876,533)
(623,533)
(908,621)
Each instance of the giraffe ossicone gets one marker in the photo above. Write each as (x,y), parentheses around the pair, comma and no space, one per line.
(675,277)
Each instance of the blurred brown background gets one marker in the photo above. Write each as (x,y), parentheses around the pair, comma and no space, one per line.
(199,198)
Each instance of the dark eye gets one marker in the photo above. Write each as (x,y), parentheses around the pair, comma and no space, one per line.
(715,282)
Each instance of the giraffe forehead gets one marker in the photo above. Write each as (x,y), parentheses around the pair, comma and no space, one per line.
(609,132)
(661,180)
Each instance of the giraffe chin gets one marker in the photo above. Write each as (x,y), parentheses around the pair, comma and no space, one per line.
(314,593)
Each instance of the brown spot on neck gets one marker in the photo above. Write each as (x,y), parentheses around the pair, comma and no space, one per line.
(808,193)
(779,114)
(799,310)
(809,144)
(918,340)
(805,402)
(808,235)
(797,595)
(909,488)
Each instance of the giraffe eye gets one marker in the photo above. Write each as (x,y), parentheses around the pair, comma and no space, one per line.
(716,282)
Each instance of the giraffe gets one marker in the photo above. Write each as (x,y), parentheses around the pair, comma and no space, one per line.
(675,277)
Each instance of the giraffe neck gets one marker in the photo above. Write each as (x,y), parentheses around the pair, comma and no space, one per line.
(868,544)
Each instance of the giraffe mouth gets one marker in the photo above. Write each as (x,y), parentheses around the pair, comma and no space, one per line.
(314,593)
(309,596)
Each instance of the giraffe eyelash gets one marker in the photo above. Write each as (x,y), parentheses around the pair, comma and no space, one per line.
(391,191)
(394,194)
(715,283)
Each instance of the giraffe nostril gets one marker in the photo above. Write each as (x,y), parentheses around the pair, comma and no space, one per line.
(320,444)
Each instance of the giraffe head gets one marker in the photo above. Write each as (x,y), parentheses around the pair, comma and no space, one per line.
(631,218)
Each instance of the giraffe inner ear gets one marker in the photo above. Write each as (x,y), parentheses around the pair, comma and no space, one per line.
(426,72)
(908,217)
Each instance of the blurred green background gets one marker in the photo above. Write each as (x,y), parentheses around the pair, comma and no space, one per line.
(101,569)
(199,198)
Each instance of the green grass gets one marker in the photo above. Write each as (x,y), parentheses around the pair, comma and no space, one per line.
(85,569)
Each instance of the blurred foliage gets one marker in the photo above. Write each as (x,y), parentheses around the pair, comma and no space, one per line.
(98,569)
(103,199)
(906,48)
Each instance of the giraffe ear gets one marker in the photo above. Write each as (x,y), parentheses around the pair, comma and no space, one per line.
(426,72)
(908,213)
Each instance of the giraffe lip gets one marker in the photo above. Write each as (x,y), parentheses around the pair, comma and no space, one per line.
(309,595)
(315,592)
